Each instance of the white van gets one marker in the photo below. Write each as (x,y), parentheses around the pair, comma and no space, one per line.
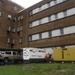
(33,55)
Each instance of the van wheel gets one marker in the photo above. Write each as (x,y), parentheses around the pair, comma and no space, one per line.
(6,60)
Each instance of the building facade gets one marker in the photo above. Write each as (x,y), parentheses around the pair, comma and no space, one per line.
(7,10)
(48,24)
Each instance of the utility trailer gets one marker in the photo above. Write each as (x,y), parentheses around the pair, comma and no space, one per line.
(34,55)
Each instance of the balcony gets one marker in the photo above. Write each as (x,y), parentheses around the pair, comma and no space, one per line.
(8,29)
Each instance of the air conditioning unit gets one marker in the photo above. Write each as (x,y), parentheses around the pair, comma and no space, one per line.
(9,17)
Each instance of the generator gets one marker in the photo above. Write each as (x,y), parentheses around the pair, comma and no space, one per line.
(64,54)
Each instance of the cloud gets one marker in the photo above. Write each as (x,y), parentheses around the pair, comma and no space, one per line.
(26,3)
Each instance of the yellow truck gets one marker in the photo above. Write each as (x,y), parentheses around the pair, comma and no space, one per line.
(64,54)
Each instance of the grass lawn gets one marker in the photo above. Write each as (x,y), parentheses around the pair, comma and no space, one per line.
(38,69)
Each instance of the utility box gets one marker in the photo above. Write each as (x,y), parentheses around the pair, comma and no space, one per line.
(57,54)
(64,54)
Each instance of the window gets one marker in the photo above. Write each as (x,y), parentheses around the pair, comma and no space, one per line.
(13,41)
(2,52)
(20,40)
(8,40)
(49,18)
(56,16)
(50,34)
(30,38)
(56,32)
(21,28)
(14,19)
(30,25)
(52,17)
(30,13)
(71,12)
(7,52)
(45,35)
(55,2)
(21,17)
(64,0)
(65,13)
(39,8)
(69,30)
(0,13)
(39,51)
(44,20)
(35,23)
(35,10)
(45,6)
(9,16)
(40,21)
(18,29)
(13,29)
(1,2)
(15,8)
(35,37)
(14,53)
(60,15)
(59,1)
(8,28)
(61,31)
(52,3)
(31,50)
(40,36)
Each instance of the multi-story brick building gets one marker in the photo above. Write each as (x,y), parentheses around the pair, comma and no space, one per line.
(7,10)
(48,24)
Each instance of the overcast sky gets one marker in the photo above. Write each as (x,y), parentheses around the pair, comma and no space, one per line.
(26,3)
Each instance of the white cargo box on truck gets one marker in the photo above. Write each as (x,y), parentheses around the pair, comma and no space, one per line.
(34,55)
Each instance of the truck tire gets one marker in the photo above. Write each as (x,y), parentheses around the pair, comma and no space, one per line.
(6,60)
